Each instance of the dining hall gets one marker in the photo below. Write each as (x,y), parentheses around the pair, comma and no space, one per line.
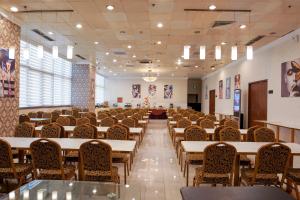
(149,99)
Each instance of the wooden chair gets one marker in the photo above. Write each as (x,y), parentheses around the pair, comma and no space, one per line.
(232,123)
(217,133)
(250,133)
(72,120)
(93,120)
(46,115)
(264,134)
(193,117)
(9,169)
(54,116)
(96,162)
(178,137)
(271,160)
(107,122)
(218,165)
(211,117)
(102,115)
(32,115)
(177,117)
(50,131)
(222,122)
(81,121)
(40,114)
(64,121)
(24,118)
(207,123)
(120,116)
(47,161)
(293,180)
(75,113)
(24,129)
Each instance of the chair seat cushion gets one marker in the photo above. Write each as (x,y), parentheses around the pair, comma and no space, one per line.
(102,176)
(55,174)
(21,170)
(294,174)
(265,179)
(201,177)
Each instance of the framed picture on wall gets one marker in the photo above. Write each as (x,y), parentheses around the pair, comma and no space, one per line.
(136,91)
(152,89)
(168,91)
(221,89)
(228,88)
(290,78)
(237,81)
(7,74)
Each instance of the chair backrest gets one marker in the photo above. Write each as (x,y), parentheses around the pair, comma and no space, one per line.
(82,120)
(55,115)
(200,114)
(113,112)
(108,121)
(183,123)
(96,156)
(126,127)
(207,123)
(75,113)
(129,122)
(186,114)
(102,115)
(6,159)
(93,120)
(32,115)
(177,117)
(46,154)
(250,133)
(62,130)
(84,131)
(72,120)
(272,159)
(64,121)
(217,133)
(264,134)
(40,114)
(230,134)
(51,131)
(24,129)
(195,133)
(231,123)
(138,116)
(222,122)
(47,115)
(24,118)
(193,117)
(219,158)
(211,117)
(120,116)
(117,132)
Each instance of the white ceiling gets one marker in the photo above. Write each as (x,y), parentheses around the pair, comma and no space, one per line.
(133,22)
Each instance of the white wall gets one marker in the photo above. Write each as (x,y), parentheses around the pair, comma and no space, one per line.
(265,65)
(116,87)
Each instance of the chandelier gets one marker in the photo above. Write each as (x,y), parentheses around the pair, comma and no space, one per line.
(149,77)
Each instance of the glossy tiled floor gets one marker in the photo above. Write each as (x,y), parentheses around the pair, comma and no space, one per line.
(156,167)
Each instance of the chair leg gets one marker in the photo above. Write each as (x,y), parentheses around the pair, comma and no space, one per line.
(125,172)
(296,190)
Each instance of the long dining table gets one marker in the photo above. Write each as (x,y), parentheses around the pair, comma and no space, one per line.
(243,148)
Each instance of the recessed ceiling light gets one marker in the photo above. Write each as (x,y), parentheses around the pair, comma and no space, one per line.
(115,74)
(157,60)
(50,33)
(114,60)
(158,42)
(14,9)
(243,26)
(223,43)
(212,7)
(160,25)
(110,7)
(107,53)
(104,67)
(134,56)
(129,46)
(110,71)
(212,68)
(79,26)
(176,67)
(196,66)
(96,42)
(124,70)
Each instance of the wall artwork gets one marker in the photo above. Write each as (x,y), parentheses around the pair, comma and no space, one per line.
(7,74)
(237,81)
(152,90)
(228,88)
(168,91)
(136,91)
(221,89)
(290,78)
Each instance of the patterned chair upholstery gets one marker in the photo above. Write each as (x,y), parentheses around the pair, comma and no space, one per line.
(51,131)
(107,122)
(231,123)
(32,115)
(218,165)
(9,169)
(64,121)
(84,131)
(222,122)
(55,115)
(62,130)
(211,117)
(113,112)
(177,117)
(264,134)
(250,133)
(193,117)
(230,134)
(24,129)
(271,160)
(207,123)
(117,132)
(96,162)
(81,121)
(47,115)
(129,122)
(75,113)
(47,161)
(40,114)
(217,133)
(183,123)
(120,116)
(102,115)
(68,112)
(23,118)
(200,114)
(93,120)
(72,120)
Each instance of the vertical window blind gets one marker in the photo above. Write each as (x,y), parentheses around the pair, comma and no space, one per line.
(99,93)
(44,82)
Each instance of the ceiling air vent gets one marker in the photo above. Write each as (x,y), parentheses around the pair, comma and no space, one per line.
(40,33)
(257,38)
(145,61)
(119,53)
(222,23)
(187,66)
(81,57)
(129,65)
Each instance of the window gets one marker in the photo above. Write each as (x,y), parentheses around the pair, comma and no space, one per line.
(99,89)
(44,82)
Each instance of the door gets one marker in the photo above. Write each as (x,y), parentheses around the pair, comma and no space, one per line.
(258,102)
(212,98)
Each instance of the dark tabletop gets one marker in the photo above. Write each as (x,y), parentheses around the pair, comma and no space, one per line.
(234,193)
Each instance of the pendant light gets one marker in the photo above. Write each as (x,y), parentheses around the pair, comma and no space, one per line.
(70,52)
(249,52)
(186,52)
(202,52)
(234,53)
(218,53)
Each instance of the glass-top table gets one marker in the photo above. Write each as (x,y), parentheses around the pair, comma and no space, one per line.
(74,190)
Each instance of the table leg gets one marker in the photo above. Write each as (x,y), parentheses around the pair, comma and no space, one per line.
(277,134)
(236,180)
(187,172)
(21,156)
(289,189)
(292,135)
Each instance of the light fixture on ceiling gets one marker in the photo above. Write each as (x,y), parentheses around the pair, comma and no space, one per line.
(157,60)
(115,74)
(50,33)
(55,51)
(176,67)
(40,51)
(134,56)
(249,52)
(160,25)
(179,62)
(196,66)
(158,42)
(70,52)
(186,52)
(110,71)
(11,52)
(212,7)
(96,42)
(129,46)
(107,53)
(79,26)
(114,60)
(104,67)
(218,53)
(149,77)
(124,70)
(223,43)
(202,52)
(212,68)
(110,7)
(243,26)
(14,9)
(234,53)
